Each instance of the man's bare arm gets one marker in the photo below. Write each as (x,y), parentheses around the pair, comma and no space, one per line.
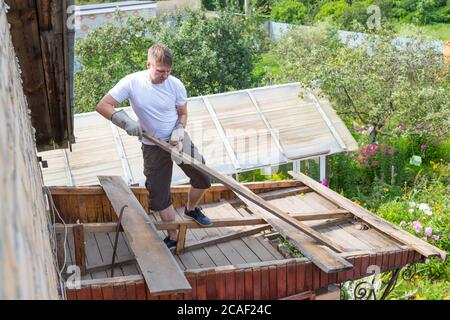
(182,114)
(106,106)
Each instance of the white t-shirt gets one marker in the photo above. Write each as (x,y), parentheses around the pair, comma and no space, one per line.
(154,104)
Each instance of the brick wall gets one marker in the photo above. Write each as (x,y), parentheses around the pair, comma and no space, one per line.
(26,261)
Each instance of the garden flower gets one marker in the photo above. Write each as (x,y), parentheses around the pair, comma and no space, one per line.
(438,206)
(325,183)
(401,127)
(412,204)
(417,226)
(425,208)
(436,237)
(402,223)
(411,210)
(424,238)
(428,231)
(423,146)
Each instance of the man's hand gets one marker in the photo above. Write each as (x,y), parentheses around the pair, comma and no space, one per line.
(121,119)
(176,139)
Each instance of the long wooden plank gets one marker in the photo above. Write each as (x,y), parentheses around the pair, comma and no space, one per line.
(243,192)
(216,223)
(225,238)
(374,221)
(321,256)
(158,266)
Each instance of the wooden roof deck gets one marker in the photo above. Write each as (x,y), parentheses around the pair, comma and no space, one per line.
(346,232)
(244,267)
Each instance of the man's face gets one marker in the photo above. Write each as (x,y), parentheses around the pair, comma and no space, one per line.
(158,72)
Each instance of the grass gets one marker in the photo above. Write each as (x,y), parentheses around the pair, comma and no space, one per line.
(439,31)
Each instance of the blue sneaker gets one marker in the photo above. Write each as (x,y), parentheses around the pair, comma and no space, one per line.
(171,244)
(198,216)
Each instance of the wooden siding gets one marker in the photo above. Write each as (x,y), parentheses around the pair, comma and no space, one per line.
(266,280)
(26,261)
(90,204)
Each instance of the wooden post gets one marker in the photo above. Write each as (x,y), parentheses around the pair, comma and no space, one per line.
(60,250)
(78,240)
(181,239)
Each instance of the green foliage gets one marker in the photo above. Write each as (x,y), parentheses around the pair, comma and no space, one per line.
(219,5)
(108,54)
(424,210)
(422,11)
(213,55)
(334,9)
(375,83)
(440,31)
(289,11)
(210,55)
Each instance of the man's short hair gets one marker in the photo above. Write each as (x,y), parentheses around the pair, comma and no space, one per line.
(159,53)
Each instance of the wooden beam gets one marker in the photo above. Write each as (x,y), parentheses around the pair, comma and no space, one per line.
(181,239)
(248,221)
(320,255)
(291,229)
(275,194)
(107,266)
(369,218)
(158,266)
(216,223)
(61,255)
(255,186)
(225,238)
(244,192)
(78,240)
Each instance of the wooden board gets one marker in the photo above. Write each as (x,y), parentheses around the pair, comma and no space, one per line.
(158,266)
(321,256)
(242,191)
(368,217)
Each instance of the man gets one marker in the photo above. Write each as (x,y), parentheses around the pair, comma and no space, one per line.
(159,100)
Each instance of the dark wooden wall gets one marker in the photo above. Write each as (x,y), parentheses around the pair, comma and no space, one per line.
(90,204)
(273,281)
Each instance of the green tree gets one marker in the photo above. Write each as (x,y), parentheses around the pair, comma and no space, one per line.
(388,88)
(106,55)
(289,11)
(211,55)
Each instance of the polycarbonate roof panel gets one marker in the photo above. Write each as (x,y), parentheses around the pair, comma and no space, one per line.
(245,130)
(235,132)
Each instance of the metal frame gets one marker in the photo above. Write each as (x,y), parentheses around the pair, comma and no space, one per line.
(67,167)
(221,132)
(365,290)
(266,122)
(330,125)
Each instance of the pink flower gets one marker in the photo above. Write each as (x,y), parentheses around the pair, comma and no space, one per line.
(325,182)
(424,238)
(428,231)
(417,226)
(436,237)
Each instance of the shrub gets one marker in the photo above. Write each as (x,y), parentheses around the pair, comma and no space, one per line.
(289,11)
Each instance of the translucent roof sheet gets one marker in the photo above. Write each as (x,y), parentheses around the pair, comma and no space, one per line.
(235,132)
